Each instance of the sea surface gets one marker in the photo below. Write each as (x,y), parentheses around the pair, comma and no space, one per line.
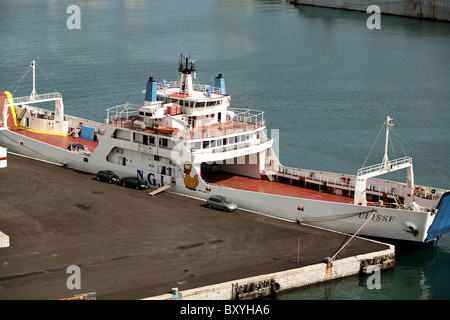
(325,81)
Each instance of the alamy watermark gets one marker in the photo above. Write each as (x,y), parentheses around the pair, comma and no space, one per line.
(74,20)
(374,21)
(374,281)
(74,280)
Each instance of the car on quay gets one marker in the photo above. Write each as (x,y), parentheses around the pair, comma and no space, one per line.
(222,203)
(108,176)
(134,182)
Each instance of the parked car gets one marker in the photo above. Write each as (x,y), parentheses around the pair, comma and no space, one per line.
(108,175)
(75,147)
(134,182)
(79,148)
(222,203)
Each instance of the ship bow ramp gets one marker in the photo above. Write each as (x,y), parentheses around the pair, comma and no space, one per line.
(441,223)
(7,110)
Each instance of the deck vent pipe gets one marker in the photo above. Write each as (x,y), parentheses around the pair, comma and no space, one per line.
(150,94)
(220,83)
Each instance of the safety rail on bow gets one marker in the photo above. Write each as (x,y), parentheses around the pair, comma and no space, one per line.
(38,98)
(390,165)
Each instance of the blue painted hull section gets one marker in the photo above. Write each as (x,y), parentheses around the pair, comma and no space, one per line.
(441,223)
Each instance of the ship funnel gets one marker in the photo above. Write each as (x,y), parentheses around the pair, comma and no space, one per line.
(150,94)
(220,83)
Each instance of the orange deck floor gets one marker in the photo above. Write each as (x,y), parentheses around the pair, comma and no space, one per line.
(250,184)
(56,140)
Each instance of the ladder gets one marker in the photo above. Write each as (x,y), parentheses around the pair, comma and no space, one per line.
(269,176)
(396,197)
(161,189)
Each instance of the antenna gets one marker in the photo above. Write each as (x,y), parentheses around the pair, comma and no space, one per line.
(185,68)
(179,40)
(180,67)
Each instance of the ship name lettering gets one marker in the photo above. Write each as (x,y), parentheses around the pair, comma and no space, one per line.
(377,217)
(150,178)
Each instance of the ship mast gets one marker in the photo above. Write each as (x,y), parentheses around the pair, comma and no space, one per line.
(389,124)
(33,93)
(384,167)
(187,72)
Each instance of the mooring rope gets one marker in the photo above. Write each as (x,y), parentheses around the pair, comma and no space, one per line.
(341,249)
(335,217)
(421,157)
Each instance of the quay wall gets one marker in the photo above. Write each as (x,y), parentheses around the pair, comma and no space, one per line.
(424,9)
(262,285)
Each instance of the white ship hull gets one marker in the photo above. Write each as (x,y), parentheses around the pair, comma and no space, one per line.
(391,224)
(175,159)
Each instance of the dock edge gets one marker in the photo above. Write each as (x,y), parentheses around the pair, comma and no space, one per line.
(273,283)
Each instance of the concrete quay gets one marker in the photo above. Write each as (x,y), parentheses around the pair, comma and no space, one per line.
(438,10)
(129,245)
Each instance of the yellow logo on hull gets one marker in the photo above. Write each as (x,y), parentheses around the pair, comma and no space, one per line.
(190,182)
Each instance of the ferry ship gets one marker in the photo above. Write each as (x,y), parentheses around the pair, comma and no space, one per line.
(185,137)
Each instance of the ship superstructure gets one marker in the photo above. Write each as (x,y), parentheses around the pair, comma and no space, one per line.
(185,136)
(181,121)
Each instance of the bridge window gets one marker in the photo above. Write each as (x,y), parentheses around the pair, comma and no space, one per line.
(163,142)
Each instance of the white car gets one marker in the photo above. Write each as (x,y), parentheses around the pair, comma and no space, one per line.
(222,203)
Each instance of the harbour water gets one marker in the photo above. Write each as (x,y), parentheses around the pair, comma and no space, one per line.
(325,81)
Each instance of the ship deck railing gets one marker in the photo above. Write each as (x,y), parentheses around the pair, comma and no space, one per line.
(380,166)
(230,127)
(347,182)
(227,148)
(342,181)
(198,87)
(248,115)
(120,115)
(37,99)
(244,121)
